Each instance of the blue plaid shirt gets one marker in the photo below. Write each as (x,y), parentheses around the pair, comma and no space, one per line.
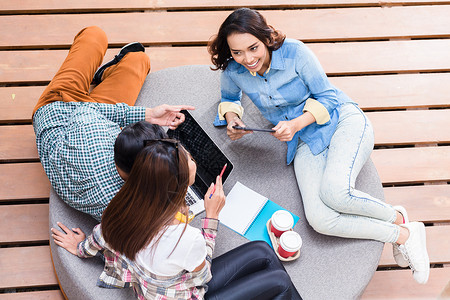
(75,142)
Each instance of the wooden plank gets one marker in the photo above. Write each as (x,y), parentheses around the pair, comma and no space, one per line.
(437,245)
(17,143)
(370,92)
(26,267)
(383,57)
(41,295)
(23,181)
(397,91)
(344,24)
(413,165)
(17,103)
(23,223)
(49,6)
(399,284)
(411,127)
(353,58)
(427,203)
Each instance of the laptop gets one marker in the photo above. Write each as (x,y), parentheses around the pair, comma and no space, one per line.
(208,156)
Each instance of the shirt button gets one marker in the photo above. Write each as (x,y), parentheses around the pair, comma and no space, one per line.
(286,118)
(270,97)
(265,79)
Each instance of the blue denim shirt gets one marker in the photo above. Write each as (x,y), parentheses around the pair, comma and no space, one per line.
(295,75)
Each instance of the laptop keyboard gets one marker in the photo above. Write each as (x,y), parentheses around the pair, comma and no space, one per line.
(191,198)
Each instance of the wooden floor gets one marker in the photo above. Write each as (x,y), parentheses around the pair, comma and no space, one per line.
(392,57)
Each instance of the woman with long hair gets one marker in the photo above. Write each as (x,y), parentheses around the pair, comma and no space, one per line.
(329,138)
(147,243)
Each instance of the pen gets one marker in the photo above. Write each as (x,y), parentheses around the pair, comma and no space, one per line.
(221,173)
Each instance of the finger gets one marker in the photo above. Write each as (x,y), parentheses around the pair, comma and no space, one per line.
(277,126)
(57,238)
(77,230)
(239,122)
(61,244)
(180,118)
(63,227)
(177,108)
(57,232)
(219,183)
(186,107)
(209,191)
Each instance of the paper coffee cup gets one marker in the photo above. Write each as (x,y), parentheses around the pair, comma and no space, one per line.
(281,221)
(290,243)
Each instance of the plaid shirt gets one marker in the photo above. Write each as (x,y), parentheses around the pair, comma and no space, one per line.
(120,272)
(75,142)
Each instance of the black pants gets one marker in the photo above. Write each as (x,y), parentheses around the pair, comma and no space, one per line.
(251,271)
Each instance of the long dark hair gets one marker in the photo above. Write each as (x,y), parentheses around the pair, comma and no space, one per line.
(148,201)
(242,20)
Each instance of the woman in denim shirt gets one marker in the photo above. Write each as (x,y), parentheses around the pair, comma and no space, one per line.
(329,138)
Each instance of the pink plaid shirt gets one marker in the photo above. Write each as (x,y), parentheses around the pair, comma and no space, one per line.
(120,272)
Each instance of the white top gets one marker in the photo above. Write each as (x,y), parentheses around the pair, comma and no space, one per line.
(188,255)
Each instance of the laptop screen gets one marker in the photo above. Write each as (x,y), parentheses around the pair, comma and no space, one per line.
(209,158)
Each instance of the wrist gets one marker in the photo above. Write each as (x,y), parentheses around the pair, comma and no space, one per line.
(212,216)
(148,112)
(231,116)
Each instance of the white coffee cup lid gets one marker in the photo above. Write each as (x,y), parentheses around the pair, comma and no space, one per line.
(290,241)
(282,220)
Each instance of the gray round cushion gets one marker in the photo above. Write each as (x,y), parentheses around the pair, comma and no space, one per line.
(328,267)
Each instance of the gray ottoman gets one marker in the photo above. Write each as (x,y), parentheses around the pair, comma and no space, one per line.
(328,268)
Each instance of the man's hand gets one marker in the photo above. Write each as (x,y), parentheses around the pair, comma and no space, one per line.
(69,239)
(167,115)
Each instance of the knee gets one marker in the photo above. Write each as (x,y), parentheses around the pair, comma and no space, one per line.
(96,33)
(139,59)
(333,192)
(260,249)
(283,281)
(321,223)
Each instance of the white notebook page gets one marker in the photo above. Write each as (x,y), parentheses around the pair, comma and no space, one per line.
(241,208)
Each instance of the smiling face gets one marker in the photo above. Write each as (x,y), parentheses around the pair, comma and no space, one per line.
(250,52)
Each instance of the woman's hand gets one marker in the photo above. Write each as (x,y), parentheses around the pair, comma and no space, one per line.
(233,120)
(214,205)
(167,115)
(70,239)
(285,130)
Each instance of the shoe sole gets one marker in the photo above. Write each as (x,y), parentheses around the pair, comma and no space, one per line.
(99,73)
(423,239)
(401,261)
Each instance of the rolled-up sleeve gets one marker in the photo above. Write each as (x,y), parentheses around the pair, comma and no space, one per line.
(319,111)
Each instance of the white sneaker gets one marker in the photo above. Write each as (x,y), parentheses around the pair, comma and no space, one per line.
(415,249)
(398,256)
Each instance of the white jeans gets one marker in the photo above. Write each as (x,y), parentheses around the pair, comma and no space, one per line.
(327,183)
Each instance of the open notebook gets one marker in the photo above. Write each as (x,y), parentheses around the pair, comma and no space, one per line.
(247,213)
